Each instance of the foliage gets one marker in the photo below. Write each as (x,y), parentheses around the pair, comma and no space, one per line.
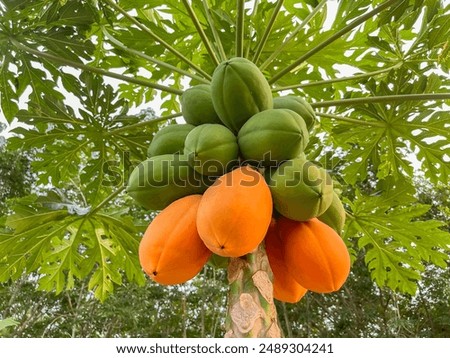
(15,177)
(63,59)
(151,310)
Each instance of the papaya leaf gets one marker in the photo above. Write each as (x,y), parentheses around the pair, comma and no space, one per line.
(48,237)
(8,92)
(396,241)
(90,145)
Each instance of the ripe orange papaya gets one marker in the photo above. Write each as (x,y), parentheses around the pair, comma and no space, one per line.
(285,287)
(171,251)
(314,254)
(235,213)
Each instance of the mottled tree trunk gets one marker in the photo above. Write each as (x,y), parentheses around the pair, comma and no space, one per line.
(251,309)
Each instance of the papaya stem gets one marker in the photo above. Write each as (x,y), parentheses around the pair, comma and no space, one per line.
(158,39)
(252,16)
(267,32)
(382,99)
(143,123)
(92,69)
(276,52)
(200,31)
(349,120)
(209,18)
(350,216)
(163,64)
(332,38)
(240,28)
(341,79)
(251,309)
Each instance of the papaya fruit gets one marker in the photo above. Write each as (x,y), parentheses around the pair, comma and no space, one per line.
(267,173)
(334,216)
(298,105)
(158,181)
(235,213)
(285,287)
(211,149)
(301,190)
(171,251)
(197,106)
(272,136)
(169,140)
(239,90)
(314,254)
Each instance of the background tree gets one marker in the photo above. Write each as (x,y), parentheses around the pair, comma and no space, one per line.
(388,115)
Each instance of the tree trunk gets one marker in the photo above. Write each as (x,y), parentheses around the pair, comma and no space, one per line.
(251,310)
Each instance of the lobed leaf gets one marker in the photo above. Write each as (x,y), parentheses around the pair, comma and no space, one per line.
(396,241)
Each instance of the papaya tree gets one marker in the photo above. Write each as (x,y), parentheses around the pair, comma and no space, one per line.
(371,79)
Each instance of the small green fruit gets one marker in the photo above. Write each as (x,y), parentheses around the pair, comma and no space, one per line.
(239,90)
(197,106)
(211,149)
(158,181)
(169,140)
(273,136)
(298,105)
(334,216)
(301,190)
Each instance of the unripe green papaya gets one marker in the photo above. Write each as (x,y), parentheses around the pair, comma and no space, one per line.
(169,140)
(301,190)
(211,149)
(272,136)
(197,106)
(334,216)
(298,105)
(158,181)
(239,90)
(267,173)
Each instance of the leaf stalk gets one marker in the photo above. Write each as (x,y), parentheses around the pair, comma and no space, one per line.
(200,31)
(332,38)
(158,39)
(240,28)
(92,69)
(267,31)
(382,99)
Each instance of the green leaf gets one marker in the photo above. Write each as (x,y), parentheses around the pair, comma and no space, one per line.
(70,145)
(7,322)
(8,91)
(62,245)
(396,241)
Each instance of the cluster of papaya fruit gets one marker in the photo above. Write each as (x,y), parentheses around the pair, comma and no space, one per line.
(236,176)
